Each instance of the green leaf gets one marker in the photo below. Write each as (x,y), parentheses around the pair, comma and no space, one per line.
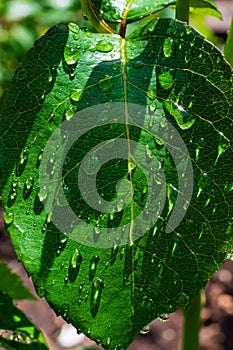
(206,7)
(116,233)
(17,332)
(113,11)
(12,284)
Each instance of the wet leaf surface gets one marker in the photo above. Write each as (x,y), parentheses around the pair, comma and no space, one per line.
(178,140)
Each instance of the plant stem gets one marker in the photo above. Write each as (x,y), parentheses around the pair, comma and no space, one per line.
(182,10)
(228,50)
(191,324)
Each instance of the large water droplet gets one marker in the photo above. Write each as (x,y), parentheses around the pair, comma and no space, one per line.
(96,292)
(93,266)
(168,47)
(69,112)
(76,95)
(74,266)
(183,118)
(166,80)
(106,82)
(103,46)
(22,162)
(71,55)
(8,217)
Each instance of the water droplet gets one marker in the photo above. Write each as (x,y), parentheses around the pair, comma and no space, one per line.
(14,183)
(106,82)
(28,187)
(91,165)
(12,197)
(72,73)
(76,95)
(74,28)
(137,64)
(223,144)
(103,46)
(74,266)
(62,245)
(183,299)
(71,55)
(8,217)
(93,266)
(115,66)
(66,279)
(96,292)
(27,211)
(164,318)
(44,227)
(153,258)
(22,162)
(145,329)
(151,94)
(204,229)
(188,30)
(151,26)
(39,159)
(166,80)
(188,56)
(168,47)
(204,183)
(183,118)
(200,145)
(120,204)
(69,112)
(81,286)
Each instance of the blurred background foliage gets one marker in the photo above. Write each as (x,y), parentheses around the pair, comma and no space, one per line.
(24,21)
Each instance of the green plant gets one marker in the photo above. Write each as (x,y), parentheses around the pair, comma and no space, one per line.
(116,166)
(19,332)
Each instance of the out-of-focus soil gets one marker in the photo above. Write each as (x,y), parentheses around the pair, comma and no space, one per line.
(217,315)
